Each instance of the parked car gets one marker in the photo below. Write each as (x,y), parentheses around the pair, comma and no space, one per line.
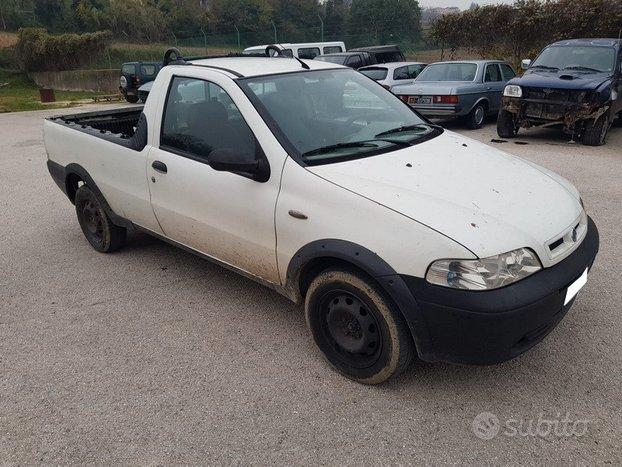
(133,75)
(400,238)
(354,60)
(575,84)
(307,50)
(466,89)
(382,53)
(144,90)
(392,74)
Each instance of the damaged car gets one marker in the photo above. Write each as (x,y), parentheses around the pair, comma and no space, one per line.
(575,84)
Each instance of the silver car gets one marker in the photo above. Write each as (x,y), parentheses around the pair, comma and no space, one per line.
(468,89)
(394,73)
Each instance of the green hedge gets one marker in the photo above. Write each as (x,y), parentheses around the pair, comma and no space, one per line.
(37,50)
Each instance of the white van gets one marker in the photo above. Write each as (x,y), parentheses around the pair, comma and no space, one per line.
(308,50)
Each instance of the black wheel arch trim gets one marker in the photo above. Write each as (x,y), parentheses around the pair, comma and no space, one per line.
(63,177)
(342,251)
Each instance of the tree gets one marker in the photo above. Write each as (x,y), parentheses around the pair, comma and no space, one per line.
(387,20)
(335,18)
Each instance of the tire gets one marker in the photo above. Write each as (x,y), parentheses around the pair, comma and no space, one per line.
(96,226)
(358,330)
(506,127)
(131,99)
(595,133)
(476,118)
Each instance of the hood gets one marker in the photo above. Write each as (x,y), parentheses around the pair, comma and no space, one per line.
(486,200)
(431,87)
(561,79)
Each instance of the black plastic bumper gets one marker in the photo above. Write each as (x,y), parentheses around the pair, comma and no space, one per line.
(493,326)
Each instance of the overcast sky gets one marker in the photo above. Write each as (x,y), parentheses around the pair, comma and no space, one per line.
(462,4)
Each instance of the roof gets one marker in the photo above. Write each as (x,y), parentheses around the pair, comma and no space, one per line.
(258,66)
(377,49)
(589,43)
(475,62)
(392,65)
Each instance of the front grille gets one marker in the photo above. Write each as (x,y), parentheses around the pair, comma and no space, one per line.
(553,95)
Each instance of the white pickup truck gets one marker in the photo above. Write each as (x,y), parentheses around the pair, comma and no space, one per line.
(400,237)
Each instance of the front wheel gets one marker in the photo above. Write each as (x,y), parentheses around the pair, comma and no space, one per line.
(595,133)
(506,126)
(476,117)
(357,328)
(101,233)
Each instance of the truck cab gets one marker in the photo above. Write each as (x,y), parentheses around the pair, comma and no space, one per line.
(573,84)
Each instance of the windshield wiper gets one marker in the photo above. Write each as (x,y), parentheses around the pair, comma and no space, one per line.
(402,129)
(332,147)
(354,144)
(579,67)
(545,67)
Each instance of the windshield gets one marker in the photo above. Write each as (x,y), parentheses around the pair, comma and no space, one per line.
(449,72)
(338,59)
(375,73)
(587,59)
(332,115)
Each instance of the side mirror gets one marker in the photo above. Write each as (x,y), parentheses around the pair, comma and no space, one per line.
(226,160)
(525,63)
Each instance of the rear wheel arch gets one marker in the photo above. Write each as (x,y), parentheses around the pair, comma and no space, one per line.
(75,175)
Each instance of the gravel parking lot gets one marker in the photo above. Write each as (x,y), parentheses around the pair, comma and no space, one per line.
(152,355)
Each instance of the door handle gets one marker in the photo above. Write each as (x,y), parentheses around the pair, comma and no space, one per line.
(159,167)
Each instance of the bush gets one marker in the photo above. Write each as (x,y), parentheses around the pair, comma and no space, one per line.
(36,50)
(520,30)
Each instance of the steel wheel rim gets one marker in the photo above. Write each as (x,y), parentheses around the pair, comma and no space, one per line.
(92,220)
(479,115)
(350,329)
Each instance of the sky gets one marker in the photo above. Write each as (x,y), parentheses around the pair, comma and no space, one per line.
(462,4)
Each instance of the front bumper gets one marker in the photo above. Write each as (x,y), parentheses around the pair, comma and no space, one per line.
(535,112)
(487,327)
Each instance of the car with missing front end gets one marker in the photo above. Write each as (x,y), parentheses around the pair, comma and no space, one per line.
(401,238)
(573,84)
(468,90)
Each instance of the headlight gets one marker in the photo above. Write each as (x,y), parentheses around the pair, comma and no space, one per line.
(512,90)
(486,273)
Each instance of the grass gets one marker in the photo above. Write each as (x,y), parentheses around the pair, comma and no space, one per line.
(18,93)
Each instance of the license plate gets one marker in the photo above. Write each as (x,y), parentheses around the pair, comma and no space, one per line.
(574,288)
(424,100)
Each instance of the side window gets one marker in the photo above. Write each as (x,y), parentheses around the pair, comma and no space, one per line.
(147,70)
(507,71)
(354,61)
(492,73)
(401,73)
(332,49)
(200,117)
(128,69)
(309,53)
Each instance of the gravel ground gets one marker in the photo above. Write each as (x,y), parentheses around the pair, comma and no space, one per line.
(151,355)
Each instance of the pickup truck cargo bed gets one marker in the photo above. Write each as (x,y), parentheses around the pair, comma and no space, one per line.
(126,126)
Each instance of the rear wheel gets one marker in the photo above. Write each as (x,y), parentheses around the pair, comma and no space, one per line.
(595,133)
(476,117)
(96,226)
(358,329)
(506,126)
(131,99)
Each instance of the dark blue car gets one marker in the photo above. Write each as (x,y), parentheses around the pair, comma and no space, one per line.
(575,84)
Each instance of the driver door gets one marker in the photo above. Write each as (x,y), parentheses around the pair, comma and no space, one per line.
(224,215)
